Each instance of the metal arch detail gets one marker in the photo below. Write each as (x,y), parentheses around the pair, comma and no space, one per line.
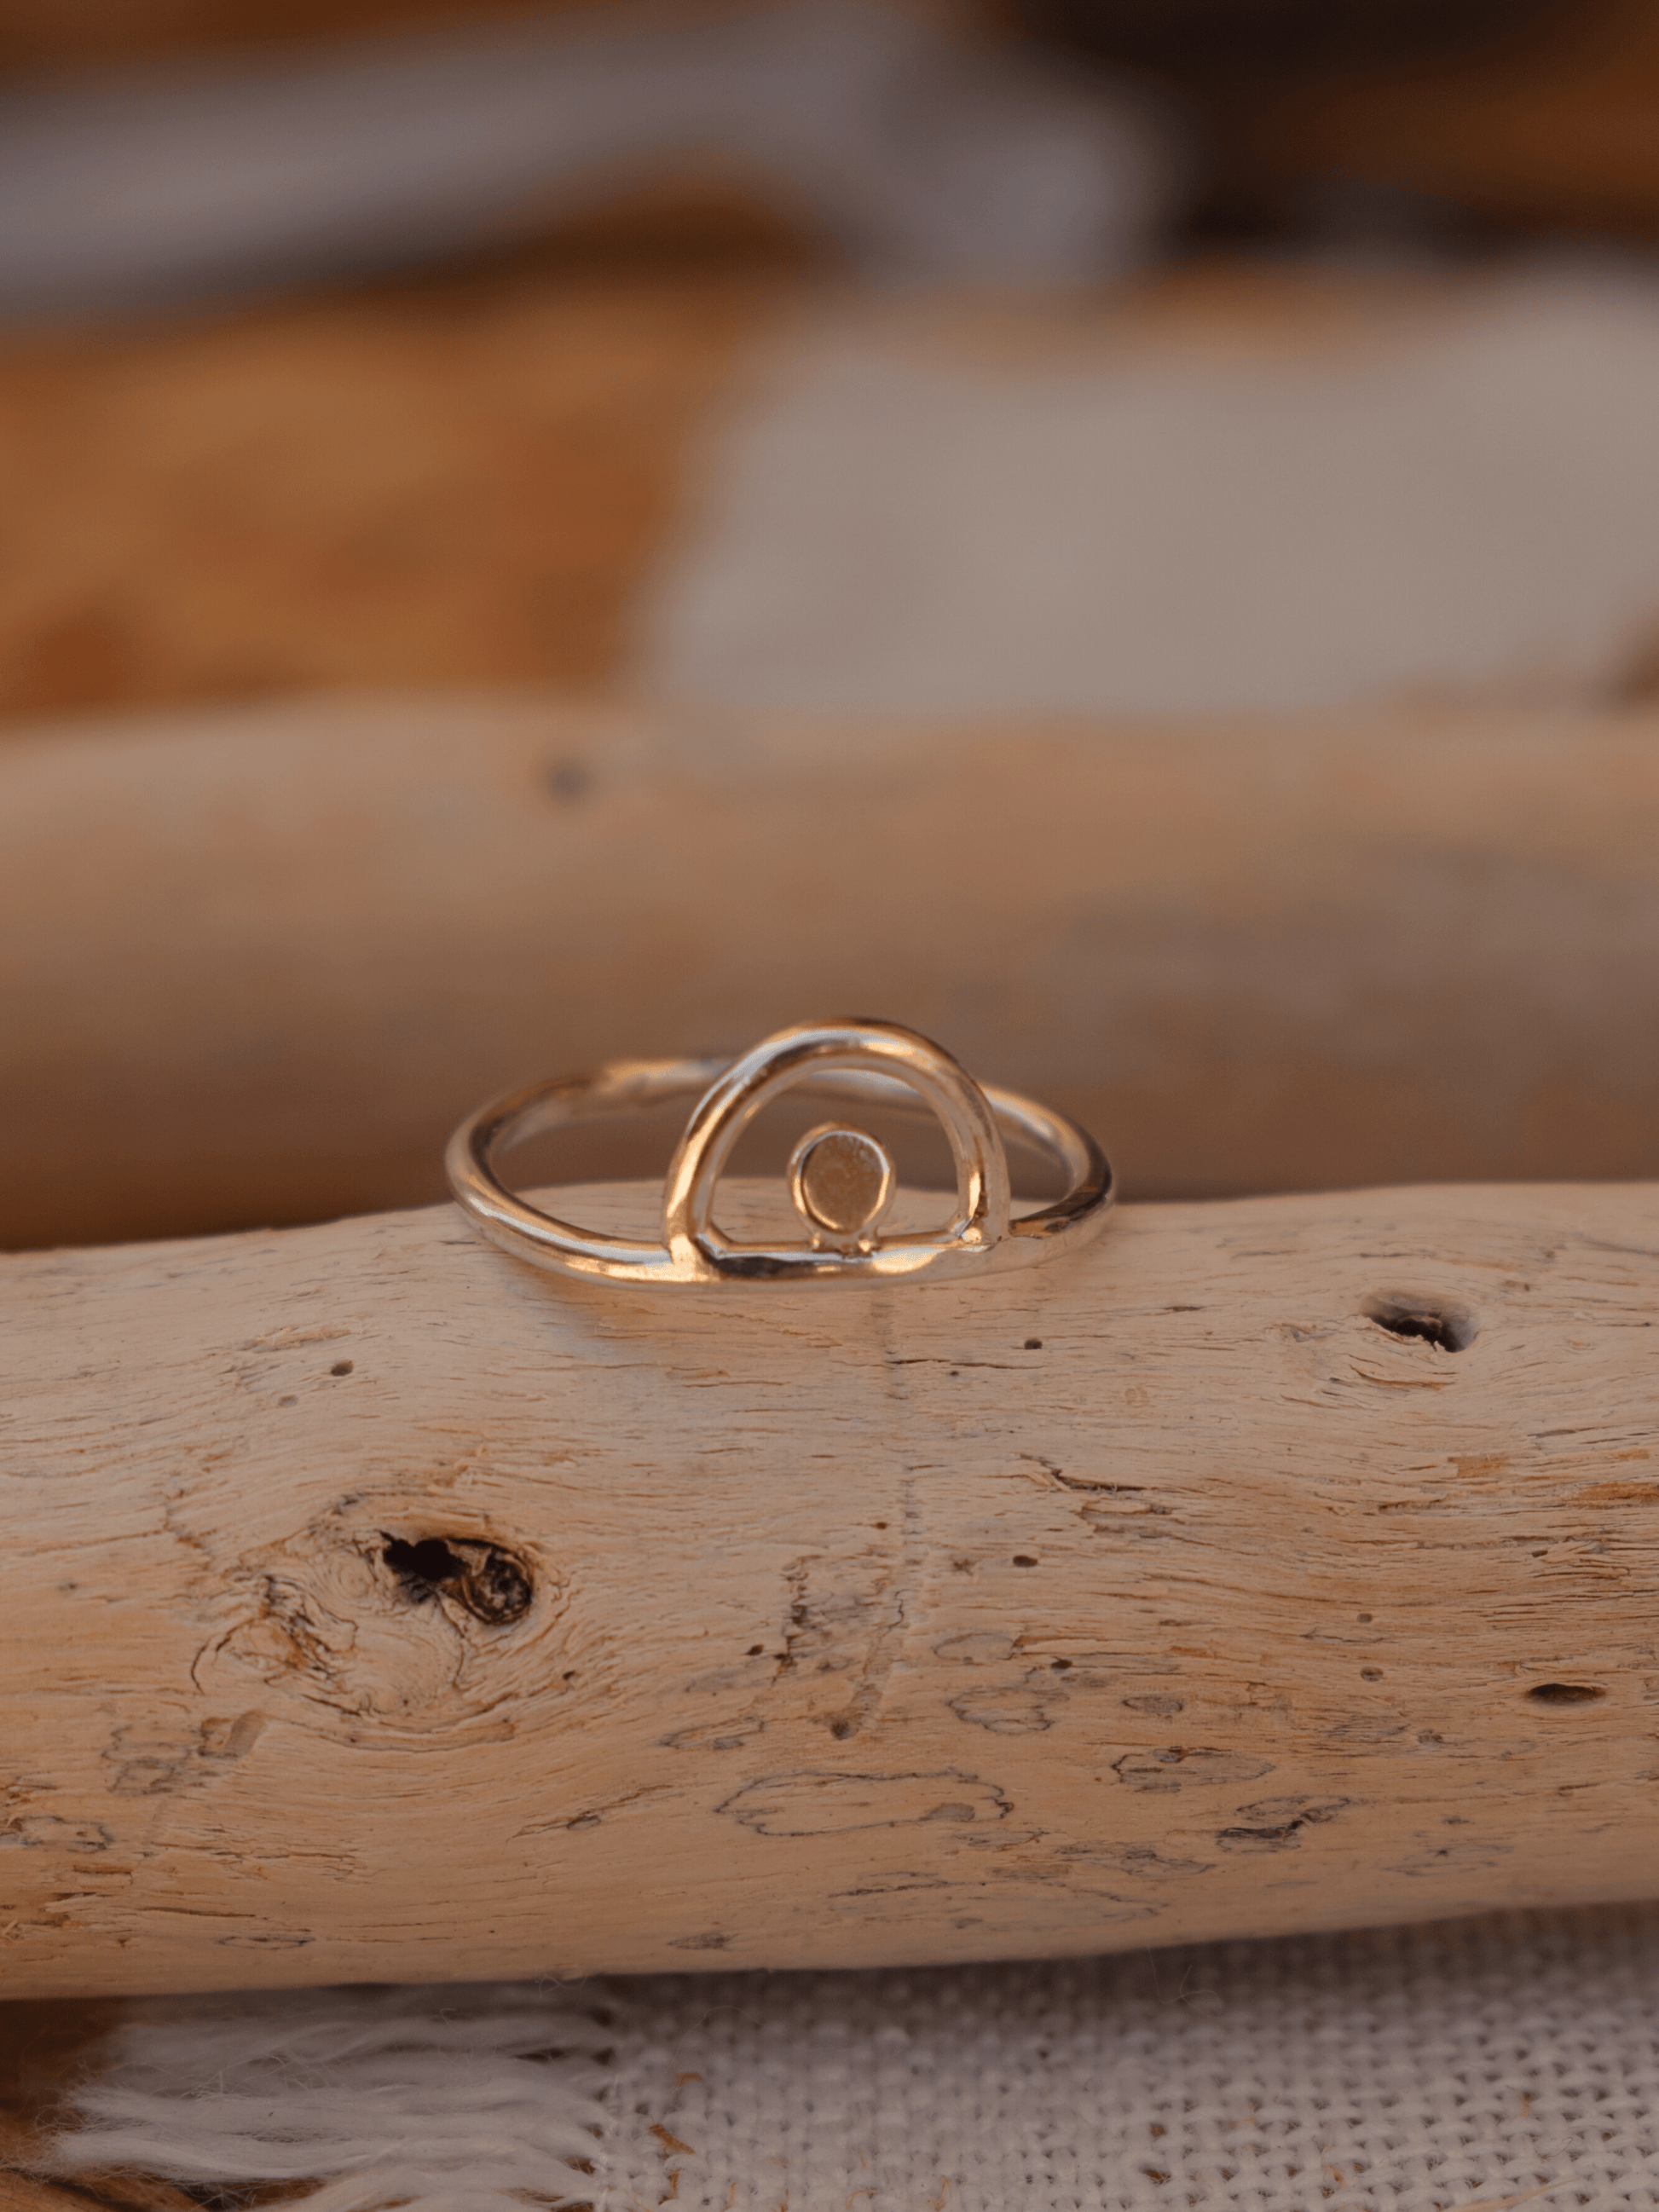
(848,1056)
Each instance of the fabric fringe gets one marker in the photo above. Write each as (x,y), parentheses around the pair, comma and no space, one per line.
(444,2099)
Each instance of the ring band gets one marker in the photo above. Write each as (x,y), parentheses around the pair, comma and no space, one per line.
(841,1179)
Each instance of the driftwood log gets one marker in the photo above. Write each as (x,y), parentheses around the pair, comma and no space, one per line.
(375,1607)
(254,967)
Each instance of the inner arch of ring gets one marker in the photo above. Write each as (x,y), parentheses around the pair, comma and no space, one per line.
(961,1107)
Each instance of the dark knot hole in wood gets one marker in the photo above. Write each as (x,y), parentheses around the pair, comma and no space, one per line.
(1433,1320)
(1566,1693)
(493,1584)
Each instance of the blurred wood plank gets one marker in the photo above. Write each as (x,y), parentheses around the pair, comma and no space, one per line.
(484,481)
(469,479)
(254,966)
(450,482)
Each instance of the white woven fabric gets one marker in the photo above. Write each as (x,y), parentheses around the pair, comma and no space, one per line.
(1498,2065)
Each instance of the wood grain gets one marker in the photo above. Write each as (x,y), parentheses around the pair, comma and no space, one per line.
(376,1608)
(255,967)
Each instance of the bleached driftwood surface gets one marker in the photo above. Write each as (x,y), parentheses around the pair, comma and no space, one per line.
(255,965)
(375,1607)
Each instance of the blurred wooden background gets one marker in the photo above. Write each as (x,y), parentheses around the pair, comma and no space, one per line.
(454,481)
(464,480)
(1532,111)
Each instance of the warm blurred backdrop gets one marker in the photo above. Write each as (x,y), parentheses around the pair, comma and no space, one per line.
(1066,372)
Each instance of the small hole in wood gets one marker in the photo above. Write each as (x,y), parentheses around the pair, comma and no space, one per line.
(340,1367)
(427,1563)
(1034,1344)
(1024,1559)
(1434,1321)
(1566,1693)
(491,1584)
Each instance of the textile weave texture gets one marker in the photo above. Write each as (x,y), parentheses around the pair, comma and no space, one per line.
(1498,2063)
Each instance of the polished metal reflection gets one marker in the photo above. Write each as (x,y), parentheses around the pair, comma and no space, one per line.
(841,1179)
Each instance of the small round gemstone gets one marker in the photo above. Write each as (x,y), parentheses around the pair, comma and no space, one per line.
(842,1180)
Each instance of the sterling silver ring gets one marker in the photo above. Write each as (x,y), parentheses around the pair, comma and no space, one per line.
(841,1179)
